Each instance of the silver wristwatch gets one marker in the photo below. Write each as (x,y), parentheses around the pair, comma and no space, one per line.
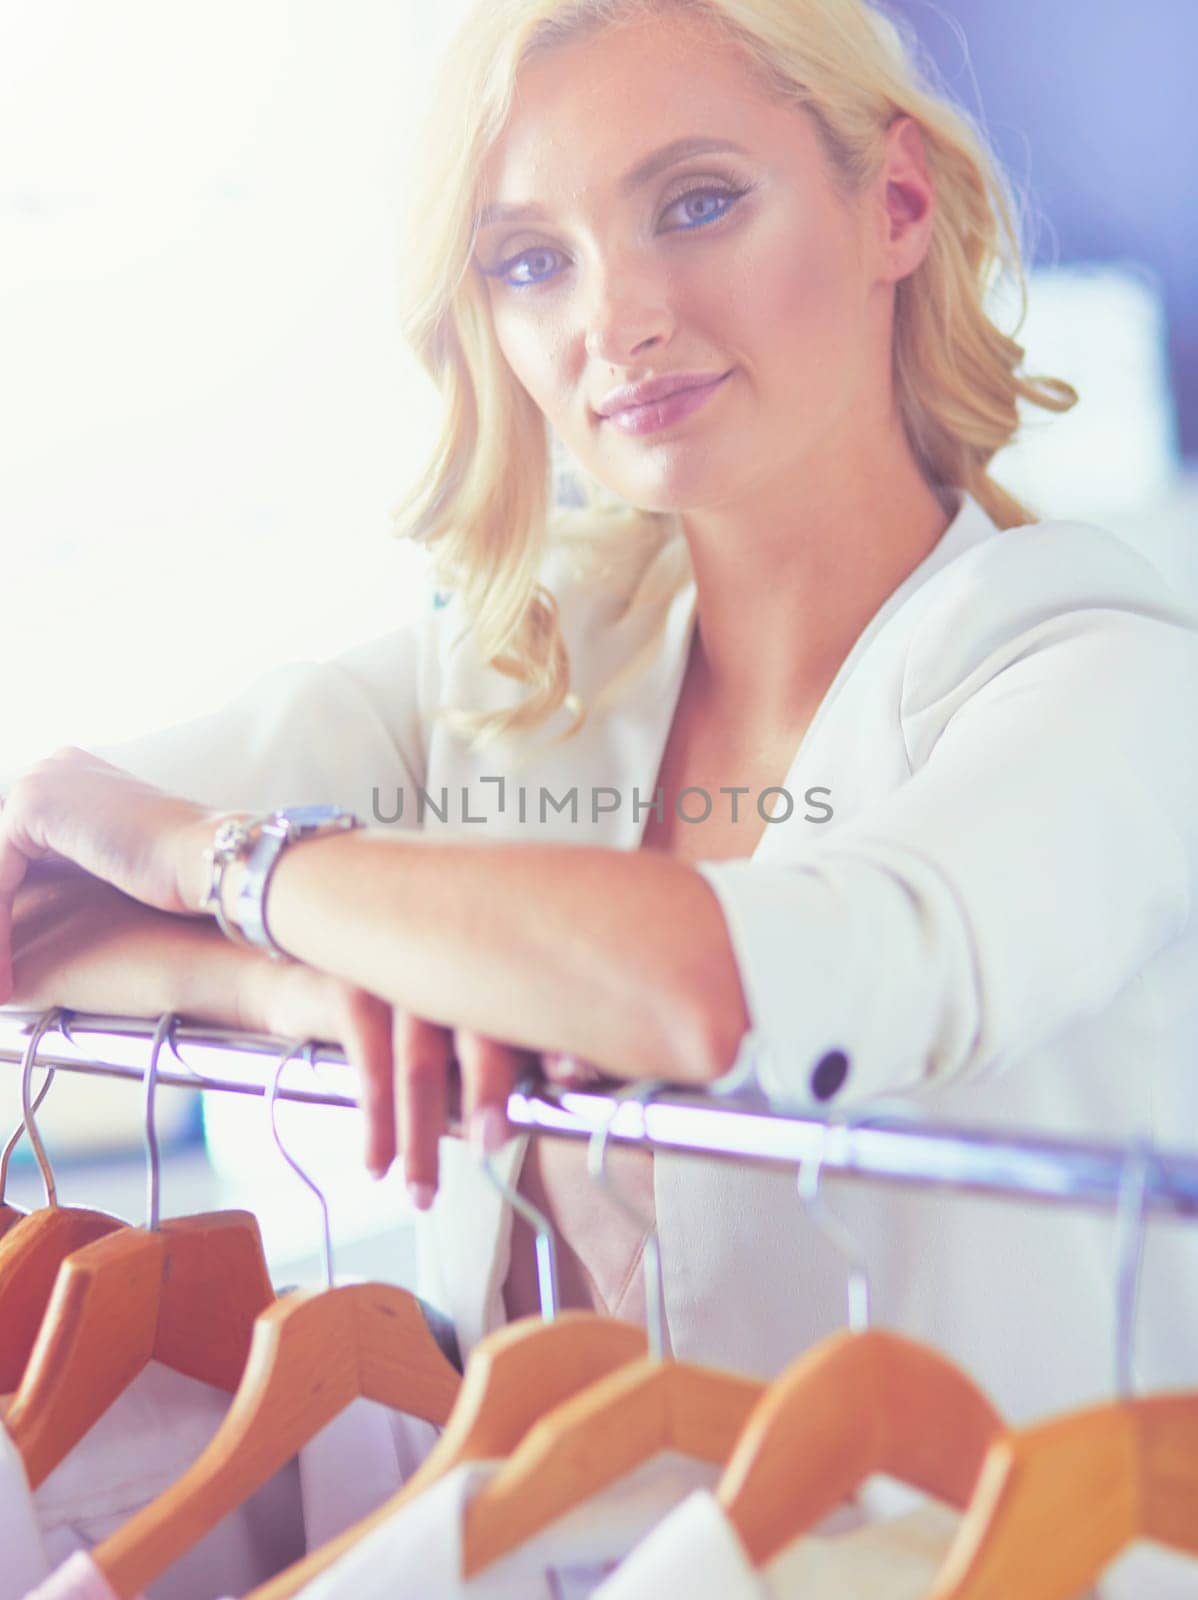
(260,843)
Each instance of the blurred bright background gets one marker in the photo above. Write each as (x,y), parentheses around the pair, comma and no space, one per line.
(207,413)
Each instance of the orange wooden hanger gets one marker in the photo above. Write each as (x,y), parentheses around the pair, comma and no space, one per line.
(184,1293)
(513,1377)
(1057,1502)
(1109,1476)
(312,1353)
(859,1403)
(586,1443)
(35,1246)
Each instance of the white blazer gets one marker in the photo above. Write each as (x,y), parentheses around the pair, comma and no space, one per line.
(996,917)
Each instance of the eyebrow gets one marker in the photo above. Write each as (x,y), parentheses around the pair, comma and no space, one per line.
(642,173)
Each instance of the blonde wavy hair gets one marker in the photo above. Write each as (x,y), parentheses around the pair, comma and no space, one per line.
(486,506)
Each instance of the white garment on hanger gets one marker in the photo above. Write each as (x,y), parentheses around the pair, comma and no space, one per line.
(148,1438)
(417,1554)
(23,1561)
(77,1579)
(996,920)
(696,1553)
(355,1464)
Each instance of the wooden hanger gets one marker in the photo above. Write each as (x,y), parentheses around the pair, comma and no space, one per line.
(34,1246)
(589,1441)
(31,1253)
(185,1294)
(312,1353)
(855,1405)
(861,1402)
(513,1376)
(1057,1502)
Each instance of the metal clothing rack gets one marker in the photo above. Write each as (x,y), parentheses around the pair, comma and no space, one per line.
(881,1143)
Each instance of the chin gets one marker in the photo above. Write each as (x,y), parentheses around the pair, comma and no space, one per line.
(669,479)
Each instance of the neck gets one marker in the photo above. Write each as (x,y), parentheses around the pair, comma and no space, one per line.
(783,594)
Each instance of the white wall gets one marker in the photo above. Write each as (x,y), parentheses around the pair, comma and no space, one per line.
(206,412)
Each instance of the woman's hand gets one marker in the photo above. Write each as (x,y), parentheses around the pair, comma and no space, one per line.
(73,806)
(412,1074)
(76,807)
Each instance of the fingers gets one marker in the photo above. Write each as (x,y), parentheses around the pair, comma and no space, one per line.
(366,1038)
(423,1056)
(490,1070)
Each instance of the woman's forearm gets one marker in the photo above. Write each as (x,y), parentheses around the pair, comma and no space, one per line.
(80,943)
(621,958)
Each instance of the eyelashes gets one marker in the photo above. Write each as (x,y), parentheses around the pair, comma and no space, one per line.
(727,193)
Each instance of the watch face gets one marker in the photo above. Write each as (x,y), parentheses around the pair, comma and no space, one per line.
(311,816)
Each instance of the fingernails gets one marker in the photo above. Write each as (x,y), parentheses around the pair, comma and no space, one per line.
(488,1129)
(422,1195)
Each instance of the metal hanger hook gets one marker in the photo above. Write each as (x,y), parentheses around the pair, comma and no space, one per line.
(655,1310)
(164,1031)
(833,1229)
(15,1138)
(544,1243)
(304,1048)
(1130,1228)
(46,1023)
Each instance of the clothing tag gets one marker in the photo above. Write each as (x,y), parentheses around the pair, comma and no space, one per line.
(578,1580)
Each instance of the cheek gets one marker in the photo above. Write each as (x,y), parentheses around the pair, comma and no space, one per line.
(803,290)
(803,316)
(530,346)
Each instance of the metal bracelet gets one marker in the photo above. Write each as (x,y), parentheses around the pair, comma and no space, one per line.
(231,842)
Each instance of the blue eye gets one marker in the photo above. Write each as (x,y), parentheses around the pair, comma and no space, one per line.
(729,197)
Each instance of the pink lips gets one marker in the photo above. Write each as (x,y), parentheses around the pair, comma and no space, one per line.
(658,414)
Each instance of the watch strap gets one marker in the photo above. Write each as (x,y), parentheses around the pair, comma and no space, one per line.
(274,834)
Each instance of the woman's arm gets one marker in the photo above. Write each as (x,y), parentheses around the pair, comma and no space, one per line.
(79,942)
(620,958)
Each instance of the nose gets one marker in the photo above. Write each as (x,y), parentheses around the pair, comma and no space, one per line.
(627,313)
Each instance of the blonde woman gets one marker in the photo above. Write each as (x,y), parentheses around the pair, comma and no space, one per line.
(928,811)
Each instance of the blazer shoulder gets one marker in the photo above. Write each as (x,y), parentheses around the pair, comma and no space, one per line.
(1017,579)
(1068,564)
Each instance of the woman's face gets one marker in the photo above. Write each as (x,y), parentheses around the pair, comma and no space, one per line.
(745,262)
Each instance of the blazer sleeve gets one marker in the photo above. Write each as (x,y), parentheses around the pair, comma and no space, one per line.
(351,731)
(1042,850)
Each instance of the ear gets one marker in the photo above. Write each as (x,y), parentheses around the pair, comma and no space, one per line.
(906,201)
